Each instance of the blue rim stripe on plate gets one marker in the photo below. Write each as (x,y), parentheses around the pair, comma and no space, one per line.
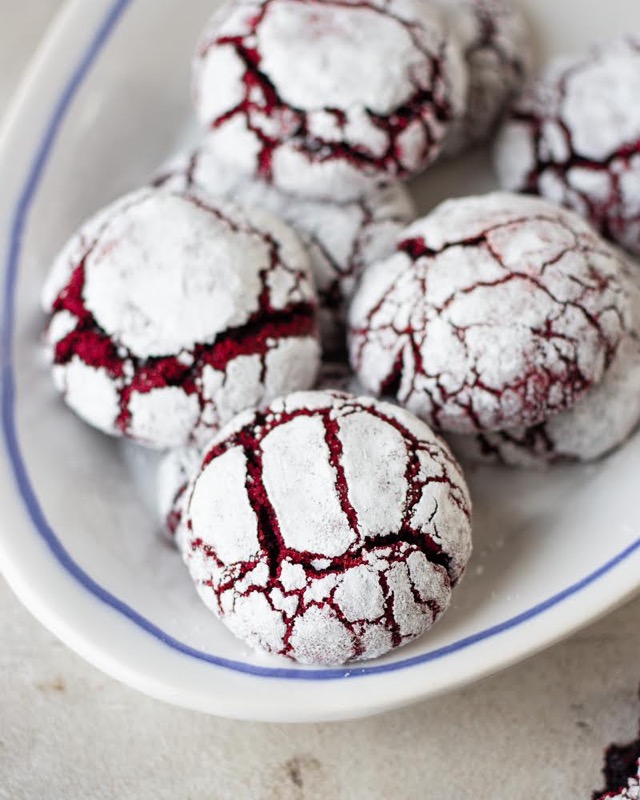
(7,400)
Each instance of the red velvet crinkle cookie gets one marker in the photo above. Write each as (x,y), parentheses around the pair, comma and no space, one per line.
(603,420)
(327,528)
(496,43)
(169,314)
(326,98)
(574,137)
(494,312)
(342,238)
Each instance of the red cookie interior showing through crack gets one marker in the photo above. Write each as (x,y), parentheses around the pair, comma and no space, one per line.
(180,465)
(342,238)
(327,98)
(494,312)
(327,528)
(170,314)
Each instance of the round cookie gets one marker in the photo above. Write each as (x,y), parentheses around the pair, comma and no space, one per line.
(327,528)
(342,238)
(496,43)
(494,312)
(324,98)
(599,423)
(573,137)
(169,314)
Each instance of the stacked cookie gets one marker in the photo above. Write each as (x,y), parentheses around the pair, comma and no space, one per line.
(196,315)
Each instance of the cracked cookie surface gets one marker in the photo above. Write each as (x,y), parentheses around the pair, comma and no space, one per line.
(574,137)
(599,423)
(327,528)
(179,466)
(328,98)
(494,312)
(342,238)
(169,314)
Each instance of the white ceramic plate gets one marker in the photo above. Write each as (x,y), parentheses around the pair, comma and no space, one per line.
(104,103)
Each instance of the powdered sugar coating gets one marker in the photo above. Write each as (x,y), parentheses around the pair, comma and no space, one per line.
(169,314)
(175,472)
(603,420)
(341,238)
(327,528)
(328,98)
(494,312)
(574,137)
(496,43)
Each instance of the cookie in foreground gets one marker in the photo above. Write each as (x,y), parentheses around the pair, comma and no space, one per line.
(327,528)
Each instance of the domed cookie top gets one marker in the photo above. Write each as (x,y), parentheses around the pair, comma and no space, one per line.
(169,314)
(327,528)
(326,98)
(574,137)
(342,238)
(494,312)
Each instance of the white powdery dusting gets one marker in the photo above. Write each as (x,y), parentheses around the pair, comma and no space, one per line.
(600,422)
(167,414)
(321,41)
(495,40)
(187,310)
(305,534)
(174,475)
(233,530)
(582,109)
(296,92)
(342,238)
(494,312)
(90,393)
(379,505)
(297,454)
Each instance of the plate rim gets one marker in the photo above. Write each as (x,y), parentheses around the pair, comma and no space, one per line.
(107,14)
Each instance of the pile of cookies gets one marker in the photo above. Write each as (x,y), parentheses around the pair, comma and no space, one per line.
(270,312)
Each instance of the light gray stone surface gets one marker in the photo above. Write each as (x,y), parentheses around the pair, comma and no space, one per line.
(536,731)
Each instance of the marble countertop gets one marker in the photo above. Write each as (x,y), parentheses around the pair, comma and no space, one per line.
(538,730)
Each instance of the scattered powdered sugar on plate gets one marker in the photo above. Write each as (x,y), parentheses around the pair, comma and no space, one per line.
(496,43)
(169,314)
(494,312)
(361,558)
(574,137)
(342,238)
(326,98)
